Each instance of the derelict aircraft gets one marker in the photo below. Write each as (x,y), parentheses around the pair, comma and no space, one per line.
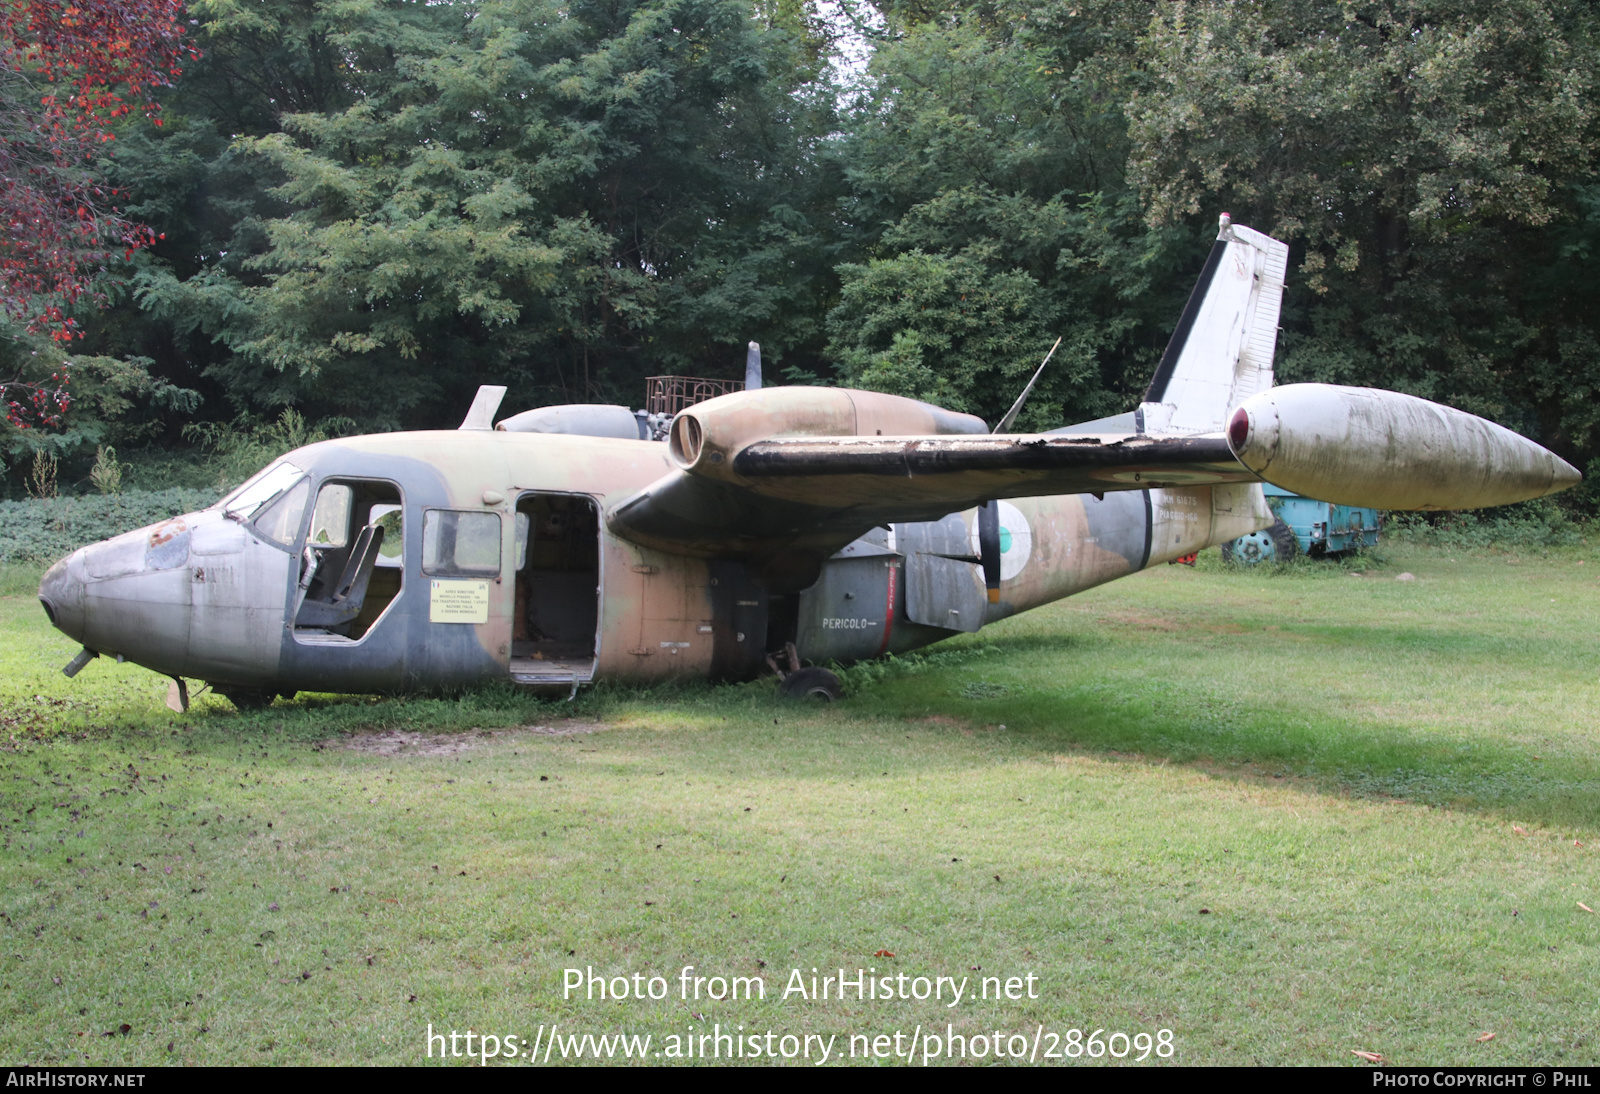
(768,526)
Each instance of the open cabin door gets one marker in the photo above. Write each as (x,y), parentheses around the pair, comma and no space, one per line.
(351,566)
(555,625)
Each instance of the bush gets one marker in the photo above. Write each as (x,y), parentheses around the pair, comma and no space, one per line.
(1538,523)
(41,530)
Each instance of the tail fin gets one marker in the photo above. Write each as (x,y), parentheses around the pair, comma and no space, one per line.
(1221,352)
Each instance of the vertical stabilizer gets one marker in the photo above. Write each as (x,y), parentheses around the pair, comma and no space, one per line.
(1221,352)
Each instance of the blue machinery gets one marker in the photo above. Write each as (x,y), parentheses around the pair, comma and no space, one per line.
(1308,525)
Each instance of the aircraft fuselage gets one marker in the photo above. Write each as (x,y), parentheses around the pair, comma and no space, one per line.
(495,561)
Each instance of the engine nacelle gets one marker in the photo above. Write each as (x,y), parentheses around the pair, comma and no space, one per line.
(1363,446)
(706,437)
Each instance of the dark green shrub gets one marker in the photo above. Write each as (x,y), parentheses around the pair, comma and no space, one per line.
(41,530)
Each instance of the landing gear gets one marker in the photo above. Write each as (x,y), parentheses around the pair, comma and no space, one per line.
(812,683)
(804,683)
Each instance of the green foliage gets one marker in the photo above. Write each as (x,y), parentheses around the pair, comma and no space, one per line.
(1027,171)
(372,207)
(1006,224)
(112,400)
(106,474)
(41,530)
(1432,163)
(164,469)
(866,674)
(929,310)
(560,199)
(245,446)
(1541,523)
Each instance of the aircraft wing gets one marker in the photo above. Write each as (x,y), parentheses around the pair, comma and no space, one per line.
(891,472)
(809,469)
(783,477)
(812,495)
(796,473)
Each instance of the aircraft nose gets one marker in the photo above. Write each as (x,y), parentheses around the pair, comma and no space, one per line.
(61,593)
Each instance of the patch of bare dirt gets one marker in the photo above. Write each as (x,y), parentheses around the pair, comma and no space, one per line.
(396,742)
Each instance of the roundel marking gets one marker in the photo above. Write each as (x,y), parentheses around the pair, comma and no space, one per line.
(1016,541)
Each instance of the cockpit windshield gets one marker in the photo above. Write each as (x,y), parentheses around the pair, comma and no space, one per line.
(244,503)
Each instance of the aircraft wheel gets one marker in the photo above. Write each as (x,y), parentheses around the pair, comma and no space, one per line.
(812,683)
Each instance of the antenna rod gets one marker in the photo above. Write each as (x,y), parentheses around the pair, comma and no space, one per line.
(1016,407)
(752,367)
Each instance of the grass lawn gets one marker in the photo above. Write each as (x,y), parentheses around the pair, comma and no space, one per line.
(1284,815)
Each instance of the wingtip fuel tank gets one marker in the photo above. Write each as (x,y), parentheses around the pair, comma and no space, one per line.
(1386,450)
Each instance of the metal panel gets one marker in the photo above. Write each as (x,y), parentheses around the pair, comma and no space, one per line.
(848,614)
(739,623)
(1322,526)
(944,582)
(577,419)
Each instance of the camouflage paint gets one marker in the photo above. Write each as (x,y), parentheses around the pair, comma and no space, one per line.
(858,609)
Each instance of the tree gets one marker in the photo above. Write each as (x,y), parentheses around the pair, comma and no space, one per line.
(1027,169)
(1431,162)
(561,197)
(988,192)
(67,73)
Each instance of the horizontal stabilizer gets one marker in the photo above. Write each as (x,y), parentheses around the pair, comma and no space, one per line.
(1385,450)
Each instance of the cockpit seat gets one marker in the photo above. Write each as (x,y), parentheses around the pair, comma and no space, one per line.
(344,600)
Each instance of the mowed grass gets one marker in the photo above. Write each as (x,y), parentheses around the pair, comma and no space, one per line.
(1286,815)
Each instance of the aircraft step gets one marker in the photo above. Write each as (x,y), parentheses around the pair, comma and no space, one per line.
(528,670)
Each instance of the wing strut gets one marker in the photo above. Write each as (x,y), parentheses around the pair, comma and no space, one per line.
(989,511)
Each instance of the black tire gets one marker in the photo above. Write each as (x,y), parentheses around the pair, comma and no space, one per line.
(1284,546)
(812,683)
(1283,541)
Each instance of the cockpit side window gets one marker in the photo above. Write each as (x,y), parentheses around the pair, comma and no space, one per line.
(350,567)
(246,501)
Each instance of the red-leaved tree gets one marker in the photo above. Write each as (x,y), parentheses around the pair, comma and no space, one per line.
(68,69)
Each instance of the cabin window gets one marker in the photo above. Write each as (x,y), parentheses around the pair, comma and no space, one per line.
(280,521)
(460,543)
(388,518)
(330,521)
(523,525)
